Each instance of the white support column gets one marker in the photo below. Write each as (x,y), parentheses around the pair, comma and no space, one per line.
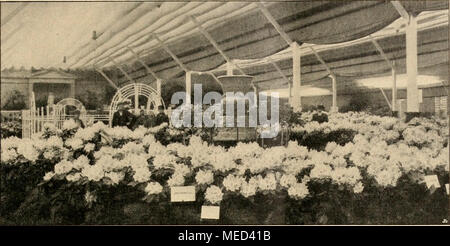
(188,86)
(30,93)
(72,89)
(296,101)
(290,93)
(230,67)
(158,87)
(394,89)
(136,100)
(412,91)
(334,107)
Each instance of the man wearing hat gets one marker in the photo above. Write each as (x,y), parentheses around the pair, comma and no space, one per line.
(122,117)
(161,117)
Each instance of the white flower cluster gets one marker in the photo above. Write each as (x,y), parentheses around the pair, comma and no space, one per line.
(233,183)
(69,125)
(204,177)
(298,191)
(153,188)
(15,150)
(213,194)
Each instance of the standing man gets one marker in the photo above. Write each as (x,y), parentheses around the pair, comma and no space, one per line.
(161,117)
(122,117)
(144,120)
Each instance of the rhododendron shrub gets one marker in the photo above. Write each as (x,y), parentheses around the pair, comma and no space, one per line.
(102,175)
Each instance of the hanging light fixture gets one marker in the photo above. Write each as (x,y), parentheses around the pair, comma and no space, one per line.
(236,83)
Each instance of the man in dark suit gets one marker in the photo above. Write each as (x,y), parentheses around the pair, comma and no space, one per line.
(122,117)
(144,120)
(161,117)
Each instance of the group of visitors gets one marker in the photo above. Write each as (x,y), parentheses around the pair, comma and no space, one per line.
(123,117)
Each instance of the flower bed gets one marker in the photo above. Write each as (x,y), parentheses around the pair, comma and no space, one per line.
(101,175)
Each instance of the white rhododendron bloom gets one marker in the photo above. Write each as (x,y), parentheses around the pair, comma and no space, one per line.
(268,182)
(204,177)
(93,173)
(321,171)
(138,160)
(73,177)
(177,179)
(213,194)
(287,180)
(115,177)
(248,189)
(182,169)
(141,174)
(105,150)
(8,155)
(80,162)
(148,140)
(86,134)
(358,188)
(89,147)
(50,154)
(386,173)
(233,183)
(342,176)
(11,142)
(107,163)
(330,147)
(69,125)
(74,143)
(153,188)
(27,150)
(298,191)
(53,141)
(132,147)
(157,149)
(63,167)
(48,176)
(164,161)
(138,133)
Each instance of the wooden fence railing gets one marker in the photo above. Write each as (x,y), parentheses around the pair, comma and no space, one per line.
(33,120)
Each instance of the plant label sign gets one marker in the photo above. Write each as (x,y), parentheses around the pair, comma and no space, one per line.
(447,189)
(182,194)
(432,180)
(210,212)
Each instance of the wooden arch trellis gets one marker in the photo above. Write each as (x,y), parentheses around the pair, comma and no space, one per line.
(60,107)
(60,110)
(34,119)
(135,90)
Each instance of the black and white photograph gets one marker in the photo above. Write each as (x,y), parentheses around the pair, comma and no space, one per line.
(207,113)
